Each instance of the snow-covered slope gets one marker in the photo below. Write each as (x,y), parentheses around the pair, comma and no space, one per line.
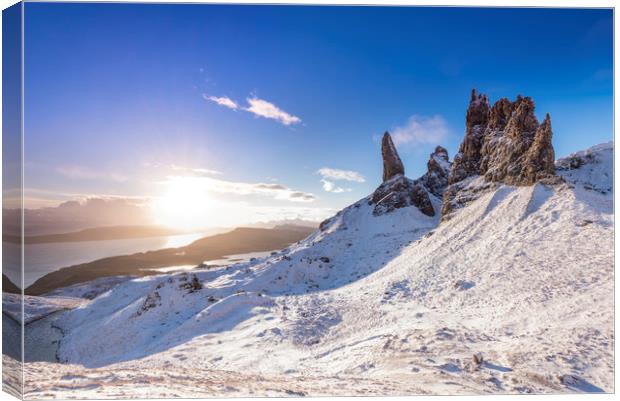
(591,168)
(125,322)
(392,304)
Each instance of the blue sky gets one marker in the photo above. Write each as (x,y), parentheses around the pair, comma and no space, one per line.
(120,98)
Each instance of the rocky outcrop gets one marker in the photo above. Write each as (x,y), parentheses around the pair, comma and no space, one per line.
(398,191)
(438,170)
(518,152)
(467,160)
(503,144)
(392,165)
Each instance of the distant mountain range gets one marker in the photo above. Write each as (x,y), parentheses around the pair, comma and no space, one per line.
(107,233)
(98,234)
(9,286)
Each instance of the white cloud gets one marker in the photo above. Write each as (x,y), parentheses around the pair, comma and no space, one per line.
(344,175)
(329,186)
(421,130)
(332,174)
(222,101)
(263,108)
(258,107)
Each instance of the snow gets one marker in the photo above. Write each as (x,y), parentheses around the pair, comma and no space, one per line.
(35,307)
(393,304)
(91,289)
(443,163)
(590,168)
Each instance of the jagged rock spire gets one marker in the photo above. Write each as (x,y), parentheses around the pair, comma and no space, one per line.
(398,191)
(392,165)
(504,144)
(540,158)
(467,161)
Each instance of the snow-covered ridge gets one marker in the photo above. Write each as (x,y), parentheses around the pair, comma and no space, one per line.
(591,168)
(395,303)
(118,325)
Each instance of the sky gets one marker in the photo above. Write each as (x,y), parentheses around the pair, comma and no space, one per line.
(222,115)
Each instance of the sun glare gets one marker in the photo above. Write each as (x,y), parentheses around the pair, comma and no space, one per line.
(184,205)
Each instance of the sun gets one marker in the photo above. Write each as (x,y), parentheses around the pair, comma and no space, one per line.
(184,205)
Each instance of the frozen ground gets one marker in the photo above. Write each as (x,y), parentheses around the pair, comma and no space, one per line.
(389,305)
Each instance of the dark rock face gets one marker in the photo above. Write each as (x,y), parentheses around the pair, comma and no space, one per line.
(436,177)
(540,158)
(467,161)
(504,144)
(400,192)
(519,153)
(392,165)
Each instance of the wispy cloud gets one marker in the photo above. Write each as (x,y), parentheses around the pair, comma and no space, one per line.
(258,107)
(344,175)
(421,130)
(195,170)
(167,168)
(85,173)
(329,186)
(222,101)
(263,108)
(275,191)
(332,174)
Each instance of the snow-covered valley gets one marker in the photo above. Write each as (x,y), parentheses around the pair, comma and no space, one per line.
(512,294)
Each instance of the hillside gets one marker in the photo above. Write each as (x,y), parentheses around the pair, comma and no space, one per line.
(384,304)
(489,274)
(9,286)
(237,241)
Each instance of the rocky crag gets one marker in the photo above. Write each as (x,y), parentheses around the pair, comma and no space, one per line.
(505,144)
(398,191)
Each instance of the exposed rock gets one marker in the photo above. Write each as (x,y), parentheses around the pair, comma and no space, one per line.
(151,301)
(400,192)
(506,152)
(504,144)
(436,178)
(464,192)
(467,160)
(540,158)
(193,285)
(588,168)
(392,165)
